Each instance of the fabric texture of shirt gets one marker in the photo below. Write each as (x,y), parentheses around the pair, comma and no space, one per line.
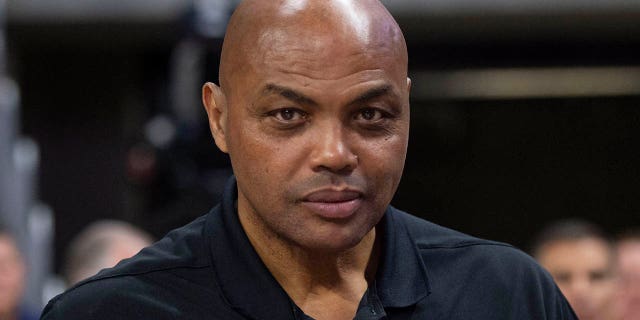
(209,270)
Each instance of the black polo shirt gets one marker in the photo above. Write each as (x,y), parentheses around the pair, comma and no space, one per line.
(209,270)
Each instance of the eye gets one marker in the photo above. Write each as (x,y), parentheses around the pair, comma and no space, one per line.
(288,115)
(369,114)
(599,275)
(562,277)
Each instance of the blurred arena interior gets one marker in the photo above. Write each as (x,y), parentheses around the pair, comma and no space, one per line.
(522,112)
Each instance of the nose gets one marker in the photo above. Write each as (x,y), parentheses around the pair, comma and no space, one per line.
(579,291)
(332,151)
(581,285)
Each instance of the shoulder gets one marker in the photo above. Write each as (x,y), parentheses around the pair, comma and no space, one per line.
(169,280)
(430,237)
(155,295)
(438,243)
(474,269)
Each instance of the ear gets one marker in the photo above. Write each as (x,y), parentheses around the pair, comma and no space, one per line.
(408,84)
(215,103)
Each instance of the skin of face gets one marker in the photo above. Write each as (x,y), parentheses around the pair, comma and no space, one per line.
(628,298)
(313,110)
(12,275)
(582,269)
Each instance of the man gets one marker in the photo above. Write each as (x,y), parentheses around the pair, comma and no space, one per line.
(581,260)
(628,263)
(12,279)
(313,110)
(102,245)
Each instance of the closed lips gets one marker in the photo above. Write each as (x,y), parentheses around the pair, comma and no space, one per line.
(332,196)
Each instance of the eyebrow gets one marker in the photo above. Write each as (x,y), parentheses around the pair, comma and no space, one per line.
(300,98)
(372,94)
(289,94)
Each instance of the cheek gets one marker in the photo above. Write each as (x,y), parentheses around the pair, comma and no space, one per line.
(261,165)
(262,162)
(383,164)
(386,158)
(13,278)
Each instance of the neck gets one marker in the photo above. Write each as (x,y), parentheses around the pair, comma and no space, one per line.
(303,271)
(324,284)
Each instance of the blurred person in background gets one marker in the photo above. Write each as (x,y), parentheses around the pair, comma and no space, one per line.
(12,279)
(628,257)
(581,259)
(102,245)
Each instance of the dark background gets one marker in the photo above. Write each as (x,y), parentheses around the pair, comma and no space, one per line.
(498,168)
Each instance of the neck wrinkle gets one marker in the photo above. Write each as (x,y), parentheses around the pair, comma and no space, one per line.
(305,275)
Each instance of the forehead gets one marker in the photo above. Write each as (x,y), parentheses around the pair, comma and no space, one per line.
(629,255)
(582,253)
(327,45)
(322,56)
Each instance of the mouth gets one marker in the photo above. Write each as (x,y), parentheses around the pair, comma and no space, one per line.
(333,204)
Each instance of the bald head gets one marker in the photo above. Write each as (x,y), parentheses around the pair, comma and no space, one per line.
(102,245)
(261,31)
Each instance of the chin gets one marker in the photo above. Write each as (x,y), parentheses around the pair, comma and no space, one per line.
(336,242)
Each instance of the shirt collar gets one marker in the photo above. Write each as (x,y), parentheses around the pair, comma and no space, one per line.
(244,280)
(250,288)
(401,280)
